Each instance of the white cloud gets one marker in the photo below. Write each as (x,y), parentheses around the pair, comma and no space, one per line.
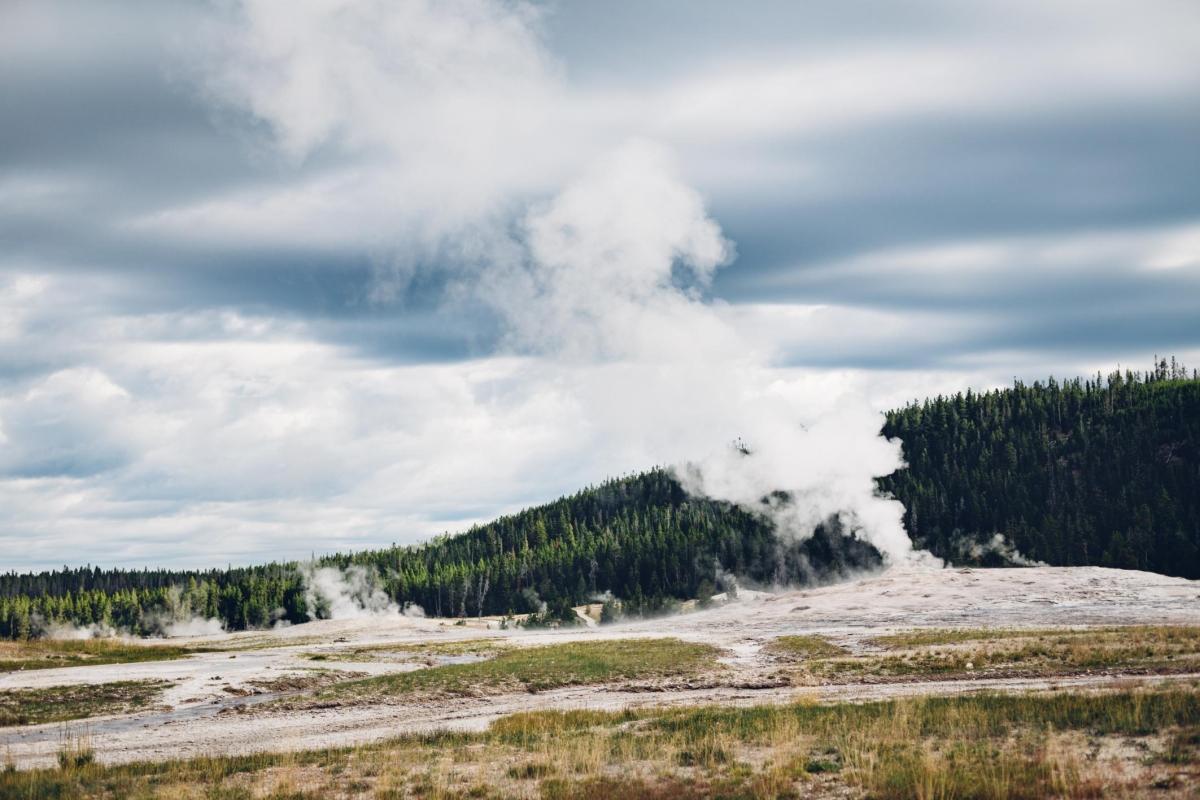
(445,117)
(439,115)
(604,255)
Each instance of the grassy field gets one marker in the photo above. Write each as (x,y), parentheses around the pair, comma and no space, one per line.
(936,636)
(1017,653)
(417,651)
(1005,747)
(804,647)
(61,703)
(50,653)
(538,668)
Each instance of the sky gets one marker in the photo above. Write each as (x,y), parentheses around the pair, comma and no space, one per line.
(280,279)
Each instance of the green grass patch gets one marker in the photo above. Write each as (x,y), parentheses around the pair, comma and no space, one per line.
(411,651)
(805,647)
(62,703)
(52,653)
(546,667)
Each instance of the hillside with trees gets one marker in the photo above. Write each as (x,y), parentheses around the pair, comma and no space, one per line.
(640,538)
(1102,471)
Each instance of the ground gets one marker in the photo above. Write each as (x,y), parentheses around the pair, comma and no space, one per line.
(1044,638)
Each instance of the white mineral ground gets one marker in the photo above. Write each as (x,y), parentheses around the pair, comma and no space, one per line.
(197,715)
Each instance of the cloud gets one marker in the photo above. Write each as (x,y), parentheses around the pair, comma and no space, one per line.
(605,255)
(434,116)
(277,281)
(63,425)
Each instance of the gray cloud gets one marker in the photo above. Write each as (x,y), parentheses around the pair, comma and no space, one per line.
(257,247)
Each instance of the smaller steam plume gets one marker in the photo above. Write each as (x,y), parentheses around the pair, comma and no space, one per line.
(995,552)
(350,593)
(175,619)
(178,618)
(44,629)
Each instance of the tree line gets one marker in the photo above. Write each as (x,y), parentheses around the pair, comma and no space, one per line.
(1104,471)
(641,538)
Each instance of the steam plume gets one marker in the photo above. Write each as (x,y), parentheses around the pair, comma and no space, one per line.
(996,550)
(611,291)
(352,593)
(603,287)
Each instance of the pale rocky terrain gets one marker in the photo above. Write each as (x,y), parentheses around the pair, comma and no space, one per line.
(210,706)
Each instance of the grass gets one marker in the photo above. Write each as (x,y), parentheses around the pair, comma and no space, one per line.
(411,652)
(1005,747)
(803,647)
(304,680)
(62,703)
(536,669)
(75,752)
(1161,649)
(51,653)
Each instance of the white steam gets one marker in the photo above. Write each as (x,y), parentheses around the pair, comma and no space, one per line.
(177,618)
(996,547)
(463,115)
(193,626)
(611,293)
(63,630)
(352,593)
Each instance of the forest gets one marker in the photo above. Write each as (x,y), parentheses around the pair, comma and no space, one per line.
(1103,471)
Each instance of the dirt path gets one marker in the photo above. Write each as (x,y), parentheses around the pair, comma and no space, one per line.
(200,713)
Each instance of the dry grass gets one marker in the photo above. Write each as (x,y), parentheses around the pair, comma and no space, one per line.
(1162,649)
(937,636)
(298,681)
(984,746)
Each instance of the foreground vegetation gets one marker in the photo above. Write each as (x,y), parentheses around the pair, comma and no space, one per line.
(535,669)
(979,746)
(63,703)
(1103,472)
(51,653)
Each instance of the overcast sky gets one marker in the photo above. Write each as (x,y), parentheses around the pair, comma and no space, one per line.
(280,278)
